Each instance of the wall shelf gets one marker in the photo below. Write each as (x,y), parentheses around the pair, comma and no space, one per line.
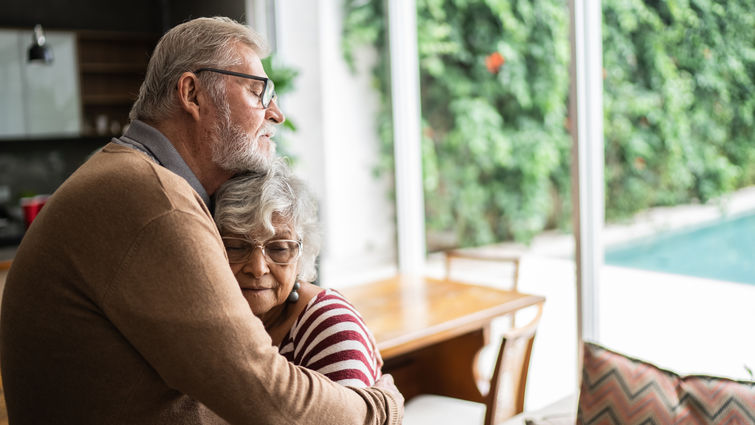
(108,99)
(108,68)
(111,69)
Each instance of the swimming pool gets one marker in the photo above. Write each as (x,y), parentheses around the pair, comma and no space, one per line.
(724,250)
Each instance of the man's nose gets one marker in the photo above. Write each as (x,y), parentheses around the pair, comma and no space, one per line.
(274,113)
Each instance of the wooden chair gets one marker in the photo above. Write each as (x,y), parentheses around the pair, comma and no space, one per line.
(456,256)
(501,396)
(461,256)
(505,397)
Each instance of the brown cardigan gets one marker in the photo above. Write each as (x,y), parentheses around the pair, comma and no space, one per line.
(120,308)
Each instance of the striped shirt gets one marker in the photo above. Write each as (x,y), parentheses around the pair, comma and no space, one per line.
(330,337)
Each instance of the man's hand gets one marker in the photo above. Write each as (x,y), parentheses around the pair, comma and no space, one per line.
(386,383)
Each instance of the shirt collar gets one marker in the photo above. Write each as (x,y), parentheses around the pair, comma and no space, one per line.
(144,137)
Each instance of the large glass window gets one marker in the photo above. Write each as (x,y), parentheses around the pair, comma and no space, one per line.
(679,100)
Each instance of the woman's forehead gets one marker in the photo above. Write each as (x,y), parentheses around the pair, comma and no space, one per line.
(283,228)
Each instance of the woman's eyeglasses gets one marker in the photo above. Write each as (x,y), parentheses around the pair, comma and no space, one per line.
(277,251)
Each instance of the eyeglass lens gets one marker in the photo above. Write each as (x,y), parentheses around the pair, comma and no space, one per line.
(269,94)
(279,251)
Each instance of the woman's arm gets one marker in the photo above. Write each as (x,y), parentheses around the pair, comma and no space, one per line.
(330,337)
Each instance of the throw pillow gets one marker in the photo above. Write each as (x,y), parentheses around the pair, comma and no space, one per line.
(620,390)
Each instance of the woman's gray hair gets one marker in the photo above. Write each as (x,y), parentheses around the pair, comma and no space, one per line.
(253,202)
(201,42)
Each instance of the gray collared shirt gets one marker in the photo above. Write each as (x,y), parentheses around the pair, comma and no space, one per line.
(145,138)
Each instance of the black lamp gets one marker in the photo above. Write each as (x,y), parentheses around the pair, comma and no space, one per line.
(39,51)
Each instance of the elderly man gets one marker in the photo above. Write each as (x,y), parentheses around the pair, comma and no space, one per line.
(120,307)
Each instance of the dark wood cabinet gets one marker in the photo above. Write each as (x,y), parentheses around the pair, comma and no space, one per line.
(111,69)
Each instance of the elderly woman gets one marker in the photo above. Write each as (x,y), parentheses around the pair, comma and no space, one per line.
(269,227)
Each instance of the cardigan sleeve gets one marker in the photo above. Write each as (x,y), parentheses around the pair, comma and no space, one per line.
(176,301)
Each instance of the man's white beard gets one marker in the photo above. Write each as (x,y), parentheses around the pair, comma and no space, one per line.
(236,151)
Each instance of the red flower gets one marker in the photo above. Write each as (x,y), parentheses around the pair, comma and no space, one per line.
(494,62)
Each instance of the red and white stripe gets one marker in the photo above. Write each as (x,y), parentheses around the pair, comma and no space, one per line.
(330,337)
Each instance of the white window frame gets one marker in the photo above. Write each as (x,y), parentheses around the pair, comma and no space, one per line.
(410,210)
(586,112)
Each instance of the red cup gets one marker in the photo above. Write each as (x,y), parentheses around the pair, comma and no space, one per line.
(31,207)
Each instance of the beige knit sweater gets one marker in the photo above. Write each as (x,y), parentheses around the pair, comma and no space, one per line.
(120,308)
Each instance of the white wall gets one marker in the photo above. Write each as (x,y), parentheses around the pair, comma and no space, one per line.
(336,143)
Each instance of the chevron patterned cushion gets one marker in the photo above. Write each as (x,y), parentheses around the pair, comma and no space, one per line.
(618,390)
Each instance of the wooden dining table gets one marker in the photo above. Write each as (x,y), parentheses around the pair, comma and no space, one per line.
(430,331)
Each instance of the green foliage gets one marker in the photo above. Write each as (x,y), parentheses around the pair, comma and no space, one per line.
(679,104)
(284,78)
(679,99)
(493,141)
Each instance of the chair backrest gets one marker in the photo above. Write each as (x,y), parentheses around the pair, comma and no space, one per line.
(503,393)
(505,397)
(477,256)
(456,256)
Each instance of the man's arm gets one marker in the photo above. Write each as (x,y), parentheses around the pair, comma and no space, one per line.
(177,302)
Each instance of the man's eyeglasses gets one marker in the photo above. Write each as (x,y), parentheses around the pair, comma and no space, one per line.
(268,90)
(277,251)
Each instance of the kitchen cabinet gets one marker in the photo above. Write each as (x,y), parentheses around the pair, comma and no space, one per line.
(111,69)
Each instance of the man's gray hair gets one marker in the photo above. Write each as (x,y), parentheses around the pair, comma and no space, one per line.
(201,42)
(254,202)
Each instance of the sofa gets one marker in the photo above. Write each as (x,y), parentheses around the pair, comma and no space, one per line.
(620,390)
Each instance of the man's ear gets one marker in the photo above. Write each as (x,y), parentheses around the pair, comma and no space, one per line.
(188,94)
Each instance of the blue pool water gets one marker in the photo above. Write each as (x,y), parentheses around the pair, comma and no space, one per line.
(724,250)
